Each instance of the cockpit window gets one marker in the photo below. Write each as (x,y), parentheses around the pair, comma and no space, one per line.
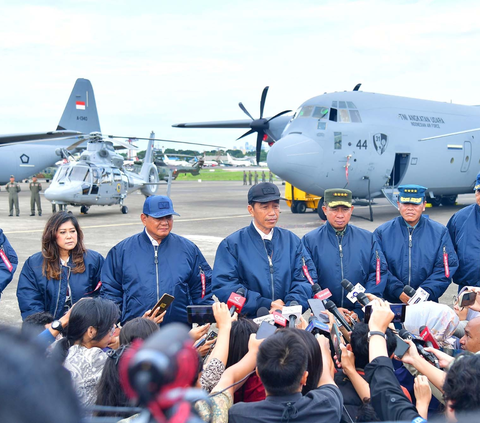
(305,111)
(334,104)
(351,105)
(320,112)
(355,116)
(342,105)
(106,176)
(343,115)
(78,173)
(61,173)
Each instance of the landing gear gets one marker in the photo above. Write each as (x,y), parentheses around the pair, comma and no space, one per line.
(124,209)
(435,202)
(320,212)
(84,209)
(449,200)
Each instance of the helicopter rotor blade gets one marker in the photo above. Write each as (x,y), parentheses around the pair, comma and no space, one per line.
(160,139)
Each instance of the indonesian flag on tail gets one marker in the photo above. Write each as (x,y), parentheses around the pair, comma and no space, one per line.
(80,105)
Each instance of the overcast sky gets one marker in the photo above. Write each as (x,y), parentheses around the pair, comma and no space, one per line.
(155,63)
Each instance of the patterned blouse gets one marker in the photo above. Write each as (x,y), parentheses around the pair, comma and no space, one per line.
(85,366)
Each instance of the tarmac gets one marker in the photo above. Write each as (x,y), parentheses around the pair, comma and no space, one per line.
(209,211)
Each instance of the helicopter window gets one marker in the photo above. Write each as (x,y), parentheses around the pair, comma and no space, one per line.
(337,140)
(96,179)
(342,105)
(355,116)
(351,105)
(78,173)
(106,177)
(344,116)
(320,112)
(306,111)
(333,114)
(117,177)
(61,173)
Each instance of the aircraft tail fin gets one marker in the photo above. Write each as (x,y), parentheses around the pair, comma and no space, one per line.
(80,113)
(149,172)
(144,171)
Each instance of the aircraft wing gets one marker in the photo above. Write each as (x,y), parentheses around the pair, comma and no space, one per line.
(36,136)
(242,123)
(468,131)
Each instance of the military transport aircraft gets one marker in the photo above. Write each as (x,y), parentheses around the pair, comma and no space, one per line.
(369,143)
(24,155)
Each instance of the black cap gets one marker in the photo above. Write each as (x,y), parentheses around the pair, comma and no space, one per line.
(263,193)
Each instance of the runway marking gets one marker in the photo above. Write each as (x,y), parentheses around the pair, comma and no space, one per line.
(137,223)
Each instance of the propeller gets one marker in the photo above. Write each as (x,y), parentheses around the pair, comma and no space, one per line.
(261,125)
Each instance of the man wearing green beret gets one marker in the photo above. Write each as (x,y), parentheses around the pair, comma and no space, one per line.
(340,251)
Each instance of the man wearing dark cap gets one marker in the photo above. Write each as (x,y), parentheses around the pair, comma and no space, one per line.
(268,262)
(464,228)
(418,250)
(143,267)
(340,251)
(13,188)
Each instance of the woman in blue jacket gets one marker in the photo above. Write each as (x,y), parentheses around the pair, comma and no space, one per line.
(62,273)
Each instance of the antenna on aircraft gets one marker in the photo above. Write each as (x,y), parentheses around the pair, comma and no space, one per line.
(260,125)
(357,87)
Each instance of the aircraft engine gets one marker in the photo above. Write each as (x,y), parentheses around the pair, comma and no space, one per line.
(148,190)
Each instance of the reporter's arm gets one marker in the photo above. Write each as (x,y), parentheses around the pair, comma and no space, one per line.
(348,365)
(328,367)
(224,324)
(423,395)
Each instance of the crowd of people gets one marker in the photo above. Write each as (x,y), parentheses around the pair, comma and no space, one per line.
(99,320)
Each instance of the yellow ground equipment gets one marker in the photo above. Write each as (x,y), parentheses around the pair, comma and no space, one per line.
(299,201)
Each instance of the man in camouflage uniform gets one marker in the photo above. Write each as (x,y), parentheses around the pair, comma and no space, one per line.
(13,189)
(35,188)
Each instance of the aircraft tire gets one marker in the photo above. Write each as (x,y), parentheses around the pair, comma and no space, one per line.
(124,209)
(449,200)
(320,212)
(293,207)
(435,202)
(301,207)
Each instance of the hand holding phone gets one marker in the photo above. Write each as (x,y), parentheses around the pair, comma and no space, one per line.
(162,304)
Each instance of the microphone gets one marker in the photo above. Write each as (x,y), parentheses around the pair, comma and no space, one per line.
(292,312)
(404,334)
(416,295)
(332,308)
(320,294)
(317,327)
(408,290)
(278,319)
(427,336)
(262,311)
(263,315)
(236,301)
(358,294)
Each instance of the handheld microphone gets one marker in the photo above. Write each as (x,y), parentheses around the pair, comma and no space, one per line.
(404,334)
(278,319)
(416,295)
(292,312)
(317,327)
(356,292)
(427,336)
(263,315)
(236,301)
(320,294)
(332,308)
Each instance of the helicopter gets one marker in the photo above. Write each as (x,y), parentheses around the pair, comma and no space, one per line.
(99,177)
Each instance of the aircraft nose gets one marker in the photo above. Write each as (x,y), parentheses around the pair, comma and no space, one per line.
(296,159)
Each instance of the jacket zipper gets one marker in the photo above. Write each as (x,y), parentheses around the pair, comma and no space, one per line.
(410,255)
(58,297)
(156,271)
(270,263)
(340,249)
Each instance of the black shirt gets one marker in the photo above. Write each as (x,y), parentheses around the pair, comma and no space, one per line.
(323,404)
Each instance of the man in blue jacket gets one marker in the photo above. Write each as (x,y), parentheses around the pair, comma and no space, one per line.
(343,251)
(418,250)
(8,262)
(269,263)
(143,267)
(464,228)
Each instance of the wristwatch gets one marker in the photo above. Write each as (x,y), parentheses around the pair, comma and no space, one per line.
(57,325)
(376,332)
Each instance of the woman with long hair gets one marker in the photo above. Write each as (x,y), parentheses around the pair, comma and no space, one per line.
(62,273)
(89,331)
